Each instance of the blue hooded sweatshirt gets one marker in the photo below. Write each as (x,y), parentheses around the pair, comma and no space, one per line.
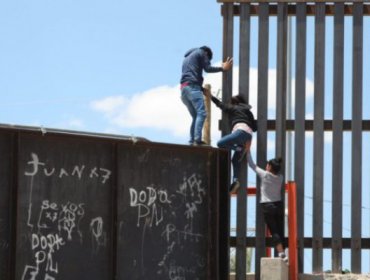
(195,61)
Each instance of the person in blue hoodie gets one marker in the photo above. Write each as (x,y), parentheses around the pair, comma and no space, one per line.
(196,60)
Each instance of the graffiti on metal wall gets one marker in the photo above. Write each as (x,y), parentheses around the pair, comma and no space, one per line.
(54,225)
(155,207)
(36,166)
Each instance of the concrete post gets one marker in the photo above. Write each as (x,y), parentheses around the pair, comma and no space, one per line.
(274,269)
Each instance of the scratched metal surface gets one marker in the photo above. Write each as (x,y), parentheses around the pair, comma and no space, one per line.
(88,207)
(64,224)
(164,213)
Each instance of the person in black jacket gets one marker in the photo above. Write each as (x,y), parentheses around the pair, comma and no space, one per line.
(239,140)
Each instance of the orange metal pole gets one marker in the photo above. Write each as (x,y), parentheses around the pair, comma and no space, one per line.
(290,188)
(292,222)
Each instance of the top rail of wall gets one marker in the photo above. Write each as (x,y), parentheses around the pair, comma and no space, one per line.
(290,1)
(273,10)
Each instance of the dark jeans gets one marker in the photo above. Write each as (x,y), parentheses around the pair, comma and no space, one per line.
(235,141)
(274,219)
(192,97)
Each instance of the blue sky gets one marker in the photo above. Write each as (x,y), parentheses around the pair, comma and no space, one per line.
(59,57)
(114,67)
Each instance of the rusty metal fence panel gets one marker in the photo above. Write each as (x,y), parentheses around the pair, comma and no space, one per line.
(319,11)
(165,213)
(64,213)
(88,207)
(6,179)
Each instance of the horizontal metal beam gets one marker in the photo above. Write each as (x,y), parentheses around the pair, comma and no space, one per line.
(326,242)
(54,131)
(329,9)
(328,125)
(290,1)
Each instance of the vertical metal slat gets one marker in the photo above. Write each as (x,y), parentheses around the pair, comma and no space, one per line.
(281,89)
(227,77)
(263,43)
(281,85)
(337,184)
(357,137)
(241,233)
(318,141)
(300,112)
(227,47)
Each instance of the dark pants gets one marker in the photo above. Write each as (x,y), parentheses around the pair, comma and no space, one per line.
(235,141)
(274,218)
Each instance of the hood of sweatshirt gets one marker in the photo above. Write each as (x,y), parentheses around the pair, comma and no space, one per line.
(190,51)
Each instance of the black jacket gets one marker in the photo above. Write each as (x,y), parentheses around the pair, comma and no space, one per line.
(239,113)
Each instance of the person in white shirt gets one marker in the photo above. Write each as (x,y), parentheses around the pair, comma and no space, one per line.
(270,200)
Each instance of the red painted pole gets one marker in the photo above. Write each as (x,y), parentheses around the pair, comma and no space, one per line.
(290,188)
(292,222)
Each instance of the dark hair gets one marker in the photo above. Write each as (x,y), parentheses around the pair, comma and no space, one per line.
(275,164)
(237,99)
(208,51)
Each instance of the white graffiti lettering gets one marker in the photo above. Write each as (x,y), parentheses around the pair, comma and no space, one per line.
(149,204)
(99,237)
(78,170)
(180,236)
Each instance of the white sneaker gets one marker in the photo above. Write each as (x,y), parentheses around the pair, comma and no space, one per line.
(283,257)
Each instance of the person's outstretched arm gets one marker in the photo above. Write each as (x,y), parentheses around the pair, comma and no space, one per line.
(218,103)
(226,65)
(260,172)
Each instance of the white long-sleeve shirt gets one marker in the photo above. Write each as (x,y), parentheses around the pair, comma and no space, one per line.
(270,183)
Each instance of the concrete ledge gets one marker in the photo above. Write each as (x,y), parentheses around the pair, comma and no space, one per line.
(274,269)
(331,276)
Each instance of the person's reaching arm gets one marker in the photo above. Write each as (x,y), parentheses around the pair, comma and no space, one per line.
(218,103)
(226,65)
(260,172)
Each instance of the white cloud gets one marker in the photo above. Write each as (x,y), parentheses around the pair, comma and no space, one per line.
(161,108)
(110,105)
(158,108)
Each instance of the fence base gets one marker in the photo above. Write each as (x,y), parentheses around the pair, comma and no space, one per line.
(274,269)
(327,276)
